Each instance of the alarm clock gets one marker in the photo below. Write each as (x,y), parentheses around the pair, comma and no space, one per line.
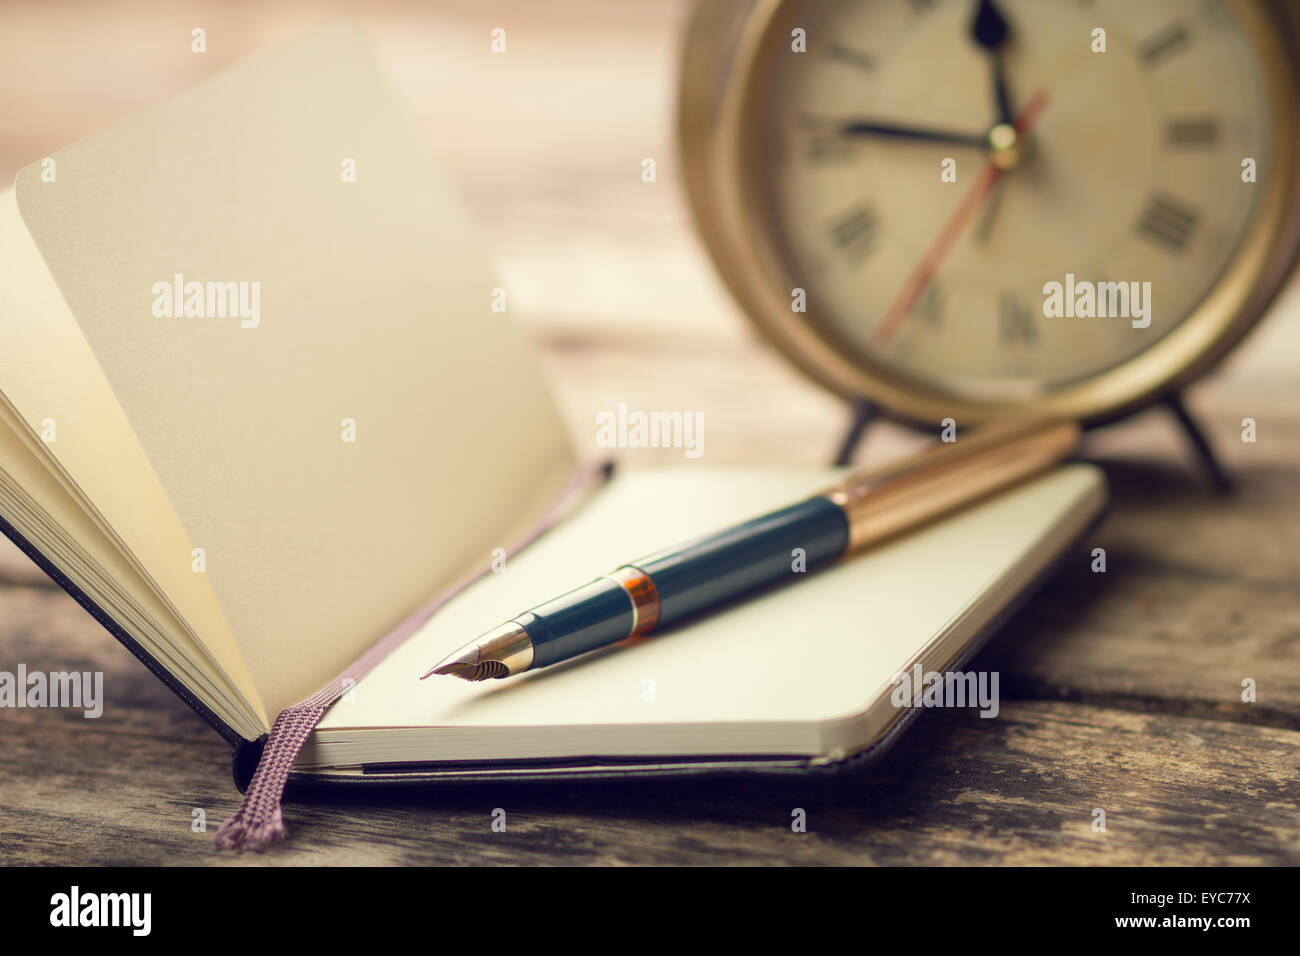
(969,208)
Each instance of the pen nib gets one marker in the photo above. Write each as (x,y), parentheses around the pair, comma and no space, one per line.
(502,651)
(459,663)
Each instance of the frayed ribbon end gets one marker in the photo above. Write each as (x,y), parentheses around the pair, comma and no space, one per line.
(239,833)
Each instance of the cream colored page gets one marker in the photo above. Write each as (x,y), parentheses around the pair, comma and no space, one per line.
(820,649)
(53,521)
(373,322)
(49,375)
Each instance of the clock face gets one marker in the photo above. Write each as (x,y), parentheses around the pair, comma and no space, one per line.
(924,212)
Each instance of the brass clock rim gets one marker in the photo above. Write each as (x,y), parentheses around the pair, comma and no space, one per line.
(717,88)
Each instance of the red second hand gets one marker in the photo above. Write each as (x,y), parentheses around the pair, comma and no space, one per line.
(973,199)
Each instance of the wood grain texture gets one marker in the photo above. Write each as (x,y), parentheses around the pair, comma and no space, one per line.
(1120,690)
(1018,789)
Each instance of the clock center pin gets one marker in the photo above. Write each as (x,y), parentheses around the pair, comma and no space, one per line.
(1006,147)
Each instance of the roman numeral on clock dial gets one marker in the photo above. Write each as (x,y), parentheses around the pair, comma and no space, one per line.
(1192,132)
(929,304)
(1169,223)
(1015,322)
(1164,45)
(853,232)
(829,150)
(851,57)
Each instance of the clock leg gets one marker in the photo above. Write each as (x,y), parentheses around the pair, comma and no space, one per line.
(864,413)
(1208,462)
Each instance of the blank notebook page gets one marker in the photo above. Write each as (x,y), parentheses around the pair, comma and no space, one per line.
(791,671)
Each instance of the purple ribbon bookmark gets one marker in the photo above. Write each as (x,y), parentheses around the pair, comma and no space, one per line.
(259,822)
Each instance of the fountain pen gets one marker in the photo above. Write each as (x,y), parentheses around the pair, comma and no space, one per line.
(673,585)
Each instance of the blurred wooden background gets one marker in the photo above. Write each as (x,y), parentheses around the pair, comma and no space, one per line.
(1120,691)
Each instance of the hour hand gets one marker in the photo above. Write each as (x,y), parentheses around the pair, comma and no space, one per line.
(989,29)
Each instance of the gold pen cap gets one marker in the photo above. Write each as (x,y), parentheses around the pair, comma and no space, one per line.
(888,501)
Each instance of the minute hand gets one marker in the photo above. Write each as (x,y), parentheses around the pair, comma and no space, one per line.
(867,128)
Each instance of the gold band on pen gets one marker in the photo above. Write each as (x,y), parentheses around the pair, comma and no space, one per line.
(645,599)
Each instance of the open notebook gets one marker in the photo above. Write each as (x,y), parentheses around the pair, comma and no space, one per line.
(802,672)
(256,411)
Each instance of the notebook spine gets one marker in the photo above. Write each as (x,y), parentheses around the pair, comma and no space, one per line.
(244,761)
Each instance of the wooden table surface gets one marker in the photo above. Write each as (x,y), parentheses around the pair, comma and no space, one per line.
(1120,691)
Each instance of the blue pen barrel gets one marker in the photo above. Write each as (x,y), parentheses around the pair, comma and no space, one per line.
(592,616)
(691,579)
(760,553)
